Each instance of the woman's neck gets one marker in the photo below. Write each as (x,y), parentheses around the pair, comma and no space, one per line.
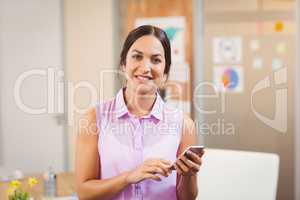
(139,104)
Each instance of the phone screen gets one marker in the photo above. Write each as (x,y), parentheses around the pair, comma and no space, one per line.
(196,149)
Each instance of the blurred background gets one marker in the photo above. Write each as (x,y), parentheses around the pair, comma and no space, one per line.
(235,71)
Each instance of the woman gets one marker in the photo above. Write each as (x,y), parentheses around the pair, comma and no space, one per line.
(131,142)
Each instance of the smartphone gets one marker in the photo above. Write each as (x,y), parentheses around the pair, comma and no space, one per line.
(195,149)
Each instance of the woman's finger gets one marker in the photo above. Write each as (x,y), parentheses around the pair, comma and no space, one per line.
(162,165)
(190,164)
(182,166)
(165,168)
(152,176)
(156,170)
(165,163)
(194,157)
(177,168)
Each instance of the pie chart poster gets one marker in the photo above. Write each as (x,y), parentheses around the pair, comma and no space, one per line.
(229,79)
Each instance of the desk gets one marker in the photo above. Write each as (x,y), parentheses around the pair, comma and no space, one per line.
(65,186)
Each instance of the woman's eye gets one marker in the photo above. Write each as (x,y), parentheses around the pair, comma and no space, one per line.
(137,57)
(156,60)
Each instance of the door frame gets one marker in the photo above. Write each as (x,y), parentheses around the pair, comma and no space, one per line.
(1,130)
(198,57)
(65,139)
(297,106)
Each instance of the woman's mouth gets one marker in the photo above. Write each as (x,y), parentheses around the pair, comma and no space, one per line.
(143,78)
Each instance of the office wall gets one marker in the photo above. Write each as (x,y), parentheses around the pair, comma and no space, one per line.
(31,38)
(89,49)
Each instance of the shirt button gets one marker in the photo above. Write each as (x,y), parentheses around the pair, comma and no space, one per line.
(138,143)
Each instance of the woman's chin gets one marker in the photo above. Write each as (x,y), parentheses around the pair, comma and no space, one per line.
(145,89)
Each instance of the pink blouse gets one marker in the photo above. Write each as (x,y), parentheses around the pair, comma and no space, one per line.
(126,141)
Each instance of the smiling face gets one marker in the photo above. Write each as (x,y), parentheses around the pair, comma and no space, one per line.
(145,65)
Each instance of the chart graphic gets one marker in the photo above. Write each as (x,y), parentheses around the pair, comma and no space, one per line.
(229,79)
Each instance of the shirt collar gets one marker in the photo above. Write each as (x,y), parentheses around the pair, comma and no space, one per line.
(157,109)
(122,110)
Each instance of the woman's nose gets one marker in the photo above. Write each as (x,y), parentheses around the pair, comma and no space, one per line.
(146,65)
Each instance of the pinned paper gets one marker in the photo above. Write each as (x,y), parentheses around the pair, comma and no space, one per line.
(277,63)
(175,27)
(229,79)
(227,50)
(281,48)
(257,63)
(278,26)
(254,45)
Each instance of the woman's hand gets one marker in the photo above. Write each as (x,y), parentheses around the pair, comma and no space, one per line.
(189,164)
(149,170)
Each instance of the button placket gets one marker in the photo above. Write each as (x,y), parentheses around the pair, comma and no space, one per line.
(138,192)
(137,139)
(138,147)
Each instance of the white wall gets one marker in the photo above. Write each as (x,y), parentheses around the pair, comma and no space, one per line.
(31,37)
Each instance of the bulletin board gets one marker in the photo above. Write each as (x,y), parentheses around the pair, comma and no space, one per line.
(178,89)
(276,51)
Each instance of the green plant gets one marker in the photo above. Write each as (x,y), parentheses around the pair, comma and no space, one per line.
(15,192)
